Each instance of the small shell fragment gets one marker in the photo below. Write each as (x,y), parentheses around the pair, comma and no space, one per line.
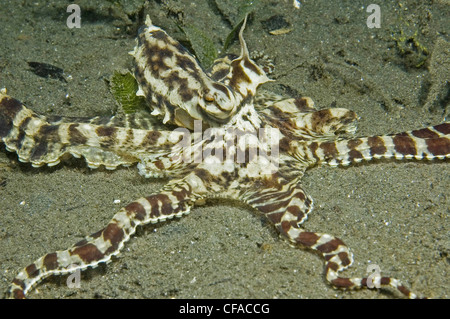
(281,31)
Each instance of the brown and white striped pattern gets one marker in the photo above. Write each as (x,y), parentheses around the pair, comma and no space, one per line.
(37,141)
(179,91)
(175,200)
(286,205)
(337,257)
(177,88)
(427,143)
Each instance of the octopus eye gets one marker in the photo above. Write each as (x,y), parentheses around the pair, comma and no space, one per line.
(209,97)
